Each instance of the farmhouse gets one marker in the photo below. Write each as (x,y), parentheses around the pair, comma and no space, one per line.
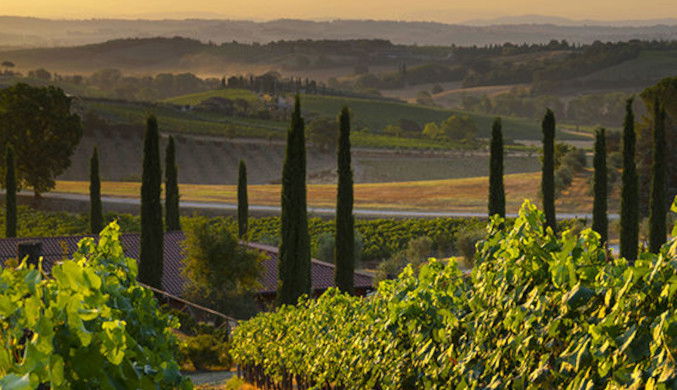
(54,249)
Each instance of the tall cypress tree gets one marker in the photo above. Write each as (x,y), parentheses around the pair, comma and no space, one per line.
(150,266)
(496,189)
(345,230)
(294,265)
(600,221)
(658,201)
(630,189)
(242,201)
(10,193)
(548,176)
(95,207)
(172,215)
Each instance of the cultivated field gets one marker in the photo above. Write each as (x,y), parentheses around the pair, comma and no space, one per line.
(461,195)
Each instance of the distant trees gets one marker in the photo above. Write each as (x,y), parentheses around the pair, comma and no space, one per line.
(658,204)
(242,201)
(152,235)
(496,189)
(630,191)
(10,193)
(600,222)
(172,214)
(548,171)
(345,229)
(458,127)
(294,265)
(95,207)
(39,124)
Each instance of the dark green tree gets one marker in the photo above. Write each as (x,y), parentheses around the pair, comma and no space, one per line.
(38,123)
(172,215)
(345,229)
(658,201)
(496,189)
(548,175)
(95,207)
(242,201)
(630,190)
(151,263)
(294,266)
(600,221)
(10,193)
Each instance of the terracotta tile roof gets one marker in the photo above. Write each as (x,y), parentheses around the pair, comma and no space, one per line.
(58,248)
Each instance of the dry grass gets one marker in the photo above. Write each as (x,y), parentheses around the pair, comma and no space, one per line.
(461,195)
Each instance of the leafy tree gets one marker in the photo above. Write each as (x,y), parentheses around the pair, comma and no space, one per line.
(459,127)
(548,175)
(242,201)
(496,189)
(216,266)
(345,222)
(41,74)
(322,133)
(600,222)
(630,191)
(10,193)
(294,266)
(39,124)
(95,207)
(152,236)
(658,202)
(172,213)
(432,130)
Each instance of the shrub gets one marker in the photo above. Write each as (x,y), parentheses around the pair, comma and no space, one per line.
(466,244)
(206,351)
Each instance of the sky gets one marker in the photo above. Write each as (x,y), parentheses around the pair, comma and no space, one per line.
(419,10)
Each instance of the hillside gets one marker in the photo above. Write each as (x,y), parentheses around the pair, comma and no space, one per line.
(16,31)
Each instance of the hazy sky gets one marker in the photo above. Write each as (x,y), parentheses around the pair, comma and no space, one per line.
(429,10)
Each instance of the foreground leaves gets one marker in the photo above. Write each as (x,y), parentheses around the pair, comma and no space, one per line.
(89,326)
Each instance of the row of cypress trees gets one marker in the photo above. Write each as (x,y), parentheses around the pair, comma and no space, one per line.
(630,192)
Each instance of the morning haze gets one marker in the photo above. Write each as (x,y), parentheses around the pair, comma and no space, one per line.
(434,10)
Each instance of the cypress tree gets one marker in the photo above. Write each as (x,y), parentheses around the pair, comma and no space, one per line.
(496,189)
(95,207)
(10,193)
(630,190)
(548,176)
(600,221)
(150,266)
(171,189)
(658,202)
(294,265)
(345,233)
(242,201)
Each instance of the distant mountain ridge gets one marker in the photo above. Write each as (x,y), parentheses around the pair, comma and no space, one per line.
(560,21)
(35,32)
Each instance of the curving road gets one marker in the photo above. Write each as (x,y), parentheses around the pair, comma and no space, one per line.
(311,210)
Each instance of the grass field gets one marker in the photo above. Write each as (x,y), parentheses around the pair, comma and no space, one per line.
(377,114)
(222,93)
(462,195)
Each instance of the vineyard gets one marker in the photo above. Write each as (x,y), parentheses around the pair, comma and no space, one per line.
(537,311)
(89,325)
(380,237)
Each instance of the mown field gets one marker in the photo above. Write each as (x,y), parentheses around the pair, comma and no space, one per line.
(458,195)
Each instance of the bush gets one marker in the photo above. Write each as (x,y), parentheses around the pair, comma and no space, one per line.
(466,243)
(417,252)
(206,351)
